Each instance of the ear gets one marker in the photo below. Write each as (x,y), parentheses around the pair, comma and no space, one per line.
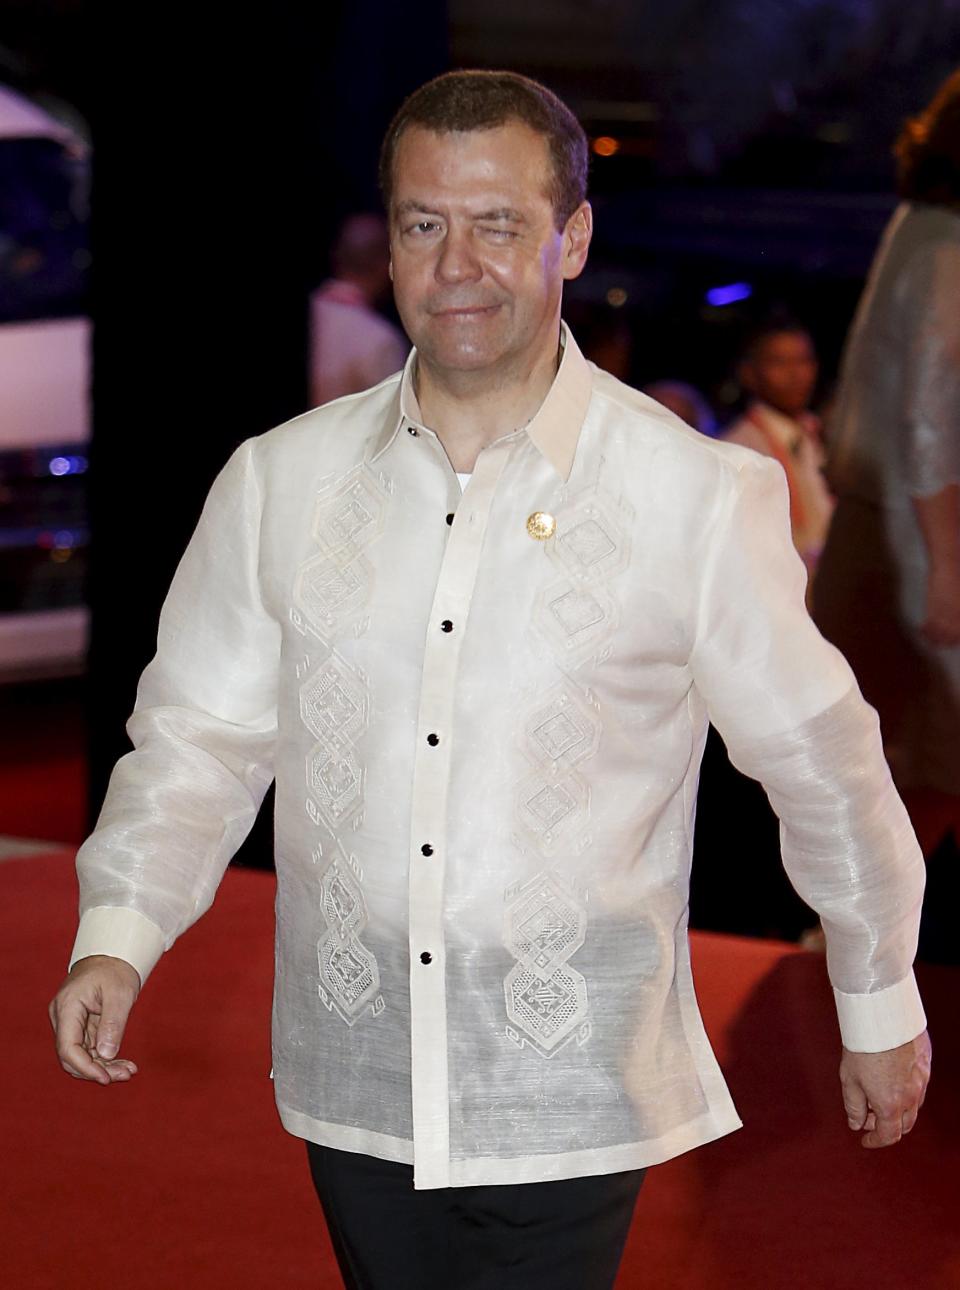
(390,268)
(576,240)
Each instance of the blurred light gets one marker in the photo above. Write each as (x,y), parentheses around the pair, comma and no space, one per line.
(606,145)
(729,294)
(616,297)
(64,538)
(60,554)
(67,465)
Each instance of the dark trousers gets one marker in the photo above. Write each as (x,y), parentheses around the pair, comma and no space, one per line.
(563,1235)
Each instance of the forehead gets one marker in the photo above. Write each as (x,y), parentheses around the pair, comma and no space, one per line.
(509,161)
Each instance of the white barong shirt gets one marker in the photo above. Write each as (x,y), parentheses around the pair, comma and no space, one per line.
(485,714)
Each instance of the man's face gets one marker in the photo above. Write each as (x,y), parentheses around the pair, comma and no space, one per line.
(782,371)
(478,263)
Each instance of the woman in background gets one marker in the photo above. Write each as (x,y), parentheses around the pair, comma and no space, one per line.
(888,587)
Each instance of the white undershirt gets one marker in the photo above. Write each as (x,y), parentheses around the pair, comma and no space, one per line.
(464,479)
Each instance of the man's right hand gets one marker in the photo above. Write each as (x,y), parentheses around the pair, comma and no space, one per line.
(88,1016)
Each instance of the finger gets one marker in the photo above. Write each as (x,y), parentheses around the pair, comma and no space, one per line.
(909,1119)
(888,1131)
(923,1084)
(120,1070)
(75,1060)
(114,1011)
(855,1105)
(70,1032)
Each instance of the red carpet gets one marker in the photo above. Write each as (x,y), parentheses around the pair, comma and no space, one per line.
(184,1178)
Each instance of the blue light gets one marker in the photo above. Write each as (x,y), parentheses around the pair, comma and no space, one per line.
(64,538)
(729,294)
(67,465)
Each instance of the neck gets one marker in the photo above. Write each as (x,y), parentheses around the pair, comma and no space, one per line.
(781,412)
(468,410)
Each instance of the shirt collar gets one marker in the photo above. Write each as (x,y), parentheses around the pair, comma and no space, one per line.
(554,430)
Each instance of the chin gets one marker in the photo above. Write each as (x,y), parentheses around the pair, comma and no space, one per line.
(459,358)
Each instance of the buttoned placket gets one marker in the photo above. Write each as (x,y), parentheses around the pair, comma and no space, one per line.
(428,851)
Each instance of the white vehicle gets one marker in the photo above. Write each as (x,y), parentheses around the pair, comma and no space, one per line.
(44,392)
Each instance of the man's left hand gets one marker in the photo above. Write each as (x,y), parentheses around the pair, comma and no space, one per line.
(883,1092)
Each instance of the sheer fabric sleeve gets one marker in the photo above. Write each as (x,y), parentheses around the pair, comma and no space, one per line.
(791,714)
(204,731)
(930,409)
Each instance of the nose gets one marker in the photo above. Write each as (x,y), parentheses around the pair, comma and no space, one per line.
(457,261)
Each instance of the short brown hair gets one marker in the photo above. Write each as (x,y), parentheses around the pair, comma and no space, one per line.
(482,100)
(928,149)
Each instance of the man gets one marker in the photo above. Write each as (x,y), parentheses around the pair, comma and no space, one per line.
(779,371)
(485,714)
(352,346)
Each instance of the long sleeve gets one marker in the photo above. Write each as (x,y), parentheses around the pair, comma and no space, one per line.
(930,410)
(204,731)
(789,709)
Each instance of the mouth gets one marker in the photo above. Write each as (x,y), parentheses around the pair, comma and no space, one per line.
(465,311)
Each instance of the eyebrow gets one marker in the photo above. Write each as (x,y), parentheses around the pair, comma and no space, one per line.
(410,207)
(504,213)
(413,207)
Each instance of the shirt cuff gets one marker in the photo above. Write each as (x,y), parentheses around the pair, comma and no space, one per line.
(872,1023)
(123,934)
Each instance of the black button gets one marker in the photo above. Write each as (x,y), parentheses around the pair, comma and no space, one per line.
(446,625)
(426,849)
(433,740)
(450,518)
(426,957)
(413,430)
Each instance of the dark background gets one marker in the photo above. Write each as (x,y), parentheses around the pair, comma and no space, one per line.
(753,145)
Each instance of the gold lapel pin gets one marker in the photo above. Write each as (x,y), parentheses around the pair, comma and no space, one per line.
(541,526)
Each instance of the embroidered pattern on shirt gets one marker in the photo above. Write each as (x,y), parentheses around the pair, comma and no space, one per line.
(336,584)
(331,592)
(330,588)
(578,614)
(333,702)
(591,543)
(552,809)
(553,802)
(546,999)
(349,975)
(350,514)
(563,730)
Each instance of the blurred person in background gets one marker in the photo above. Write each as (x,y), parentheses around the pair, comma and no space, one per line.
(352,346)
(686,401)
(778,369)
(888,589)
